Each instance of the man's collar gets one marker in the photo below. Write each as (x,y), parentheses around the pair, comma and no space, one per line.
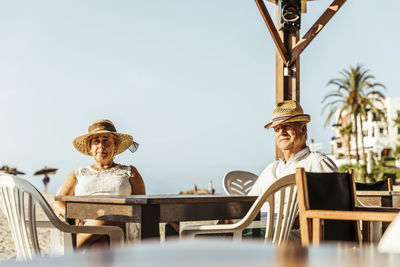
(302,153)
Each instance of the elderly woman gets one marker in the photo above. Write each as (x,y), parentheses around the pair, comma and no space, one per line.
(104,177)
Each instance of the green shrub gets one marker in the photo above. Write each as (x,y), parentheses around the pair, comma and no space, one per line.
(379,173)
(359,172)
(344,167)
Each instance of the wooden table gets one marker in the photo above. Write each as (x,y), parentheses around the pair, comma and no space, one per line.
(150,210)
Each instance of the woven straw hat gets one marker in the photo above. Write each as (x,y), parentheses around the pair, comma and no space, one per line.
(123,141)
(287,111)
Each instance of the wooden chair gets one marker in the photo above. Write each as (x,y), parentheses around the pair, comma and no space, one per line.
(18,199)
(384,185)
(279,220)
(238,182)
(327,208)
(373,232)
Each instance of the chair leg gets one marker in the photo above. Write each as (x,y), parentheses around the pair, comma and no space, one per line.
(56,243)
(366,238)
(375,231)
(133,233)
(68,243)
(304,232)
(237,235)
(316,225)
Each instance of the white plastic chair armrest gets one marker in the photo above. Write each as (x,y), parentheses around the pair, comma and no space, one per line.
(257,224)
(191,230)
(114,232)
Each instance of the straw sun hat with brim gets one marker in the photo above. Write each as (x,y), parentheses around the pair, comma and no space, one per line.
(287,111)
(123,141)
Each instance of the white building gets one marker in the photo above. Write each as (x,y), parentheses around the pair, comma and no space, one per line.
(380,137)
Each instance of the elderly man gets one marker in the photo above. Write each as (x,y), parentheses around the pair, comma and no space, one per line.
(290,126)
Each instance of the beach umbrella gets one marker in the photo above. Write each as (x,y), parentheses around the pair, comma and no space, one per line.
(45,171)
(14,171)
(4,168)
(46,179)
(9,170)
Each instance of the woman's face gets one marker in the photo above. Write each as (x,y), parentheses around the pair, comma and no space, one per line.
(102,147)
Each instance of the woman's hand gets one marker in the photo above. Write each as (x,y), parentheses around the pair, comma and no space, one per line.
(59,208)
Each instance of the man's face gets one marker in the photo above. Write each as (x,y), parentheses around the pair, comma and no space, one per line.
(291,136)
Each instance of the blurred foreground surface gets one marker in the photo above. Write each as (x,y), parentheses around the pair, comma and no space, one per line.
(215,252)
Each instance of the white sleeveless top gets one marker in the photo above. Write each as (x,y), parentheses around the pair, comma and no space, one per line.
(113,181)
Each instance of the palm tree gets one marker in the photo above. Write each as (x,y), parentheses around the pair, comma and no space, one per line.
(353,94)
(346,133)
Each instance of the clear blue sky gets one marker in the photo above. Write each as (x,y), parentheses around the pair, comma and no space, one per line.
(192,81)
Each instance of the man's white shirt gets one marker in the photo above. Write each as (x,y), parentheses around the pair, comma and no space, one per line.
(310,161)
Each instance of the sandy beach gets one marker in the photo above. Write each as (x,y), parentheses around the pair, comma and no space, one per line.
(7,247)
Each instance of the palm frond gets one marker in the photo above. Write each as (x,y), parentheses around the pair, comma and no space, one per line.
(356,94)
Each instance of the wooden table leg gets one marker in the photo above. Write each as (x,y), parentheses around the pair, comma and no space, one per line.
(150,222)
(366,232)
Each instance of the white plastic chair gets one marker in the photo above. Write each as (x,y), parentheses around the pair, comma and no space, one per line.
(390,239)
(18,199)
(279,220)
(238,182)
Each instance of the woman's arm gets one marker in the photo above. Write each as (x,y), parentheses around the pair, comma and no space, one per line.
(68,188)
(137,184)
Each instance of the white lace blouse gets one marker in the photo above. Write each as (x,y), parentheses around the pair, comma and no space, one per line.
(114,181)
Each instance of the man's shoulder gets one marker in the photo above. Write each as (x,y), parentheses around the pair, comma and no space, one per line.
(271,165)
(269,169)
(322,162)
(318,156)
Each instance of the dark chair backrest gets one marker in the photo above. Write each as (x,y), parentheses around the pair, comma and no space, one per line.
(333,191)
(384,185)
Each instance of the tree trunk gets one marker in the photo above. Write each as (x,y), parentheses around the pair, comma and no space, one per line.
(362,142)
(349,147)
(356,133)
